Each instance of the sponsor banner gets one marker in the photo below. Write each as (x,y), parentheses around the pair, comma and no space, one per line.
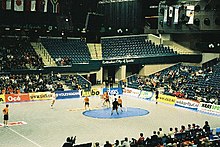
(86,93)
(21,97)
(131,92)
(67,94)
(2,98)
(167,99)
(36,96)
(186,103)
(95,92)
(209,108)
(112,91)
(146,95)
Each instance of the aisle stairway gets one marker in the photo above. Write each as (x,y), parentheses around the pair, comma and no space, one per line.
(95,51)
(179,48)
(42,52)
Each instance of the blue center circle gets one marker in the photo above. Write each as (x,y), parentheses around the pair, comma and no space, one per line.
(106,113)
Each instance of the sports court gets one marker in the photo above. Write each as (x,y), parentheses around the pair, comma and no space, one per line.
(48,127)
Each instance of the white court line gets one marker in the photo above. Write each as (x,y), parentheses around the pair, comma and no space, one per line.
(24,137)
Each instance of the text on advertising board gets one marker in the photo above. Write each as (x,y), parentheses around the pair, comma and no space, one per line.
(17,97)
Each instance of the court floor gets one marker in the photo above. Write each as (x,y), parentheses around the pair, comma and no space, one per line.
(48,127)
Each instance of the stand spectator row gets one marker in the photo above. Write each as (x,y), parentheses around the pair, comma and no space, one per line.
(191,82)
(191,136)
(17,53)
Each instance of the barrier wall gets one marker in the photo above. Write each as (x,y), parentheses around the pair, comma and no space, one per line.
(185,103)
(112,91)
(177,102)
(67,94)
(2,98)
(131,92)
(167,99)
(148,95)
(209,108)
(93,92)
(21,97)
(36,96)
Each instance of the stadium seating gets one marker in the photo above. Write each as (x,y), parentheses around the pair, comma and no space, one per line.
(137,46)
(68,51)
(76,82)
(17,53)
(84,83)
(190,82)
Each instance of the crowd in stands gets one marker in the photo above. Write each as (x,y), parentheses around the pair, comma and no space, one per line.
(28,83)
(71,81)
(25,83)
(191,135)
(17,53)
(63,61)
(189,82)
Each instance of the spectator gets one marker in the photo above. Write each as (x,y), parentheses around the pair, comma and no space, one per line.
(141,139)
(96,144)
(126,143)
(107,144)
(116,144)
(171,133)
(193,126)
(69,142)
(183,129)
(206,129)
(176,130)
(161,132)
(154,139)
(189,127)
(205,142)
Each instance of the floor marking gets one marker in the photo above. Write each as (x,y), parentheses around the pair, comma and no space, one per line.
(24,137)
(14,123)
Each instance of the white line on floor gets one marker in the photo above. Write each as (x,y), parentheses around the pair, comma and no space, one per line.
(24,137)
